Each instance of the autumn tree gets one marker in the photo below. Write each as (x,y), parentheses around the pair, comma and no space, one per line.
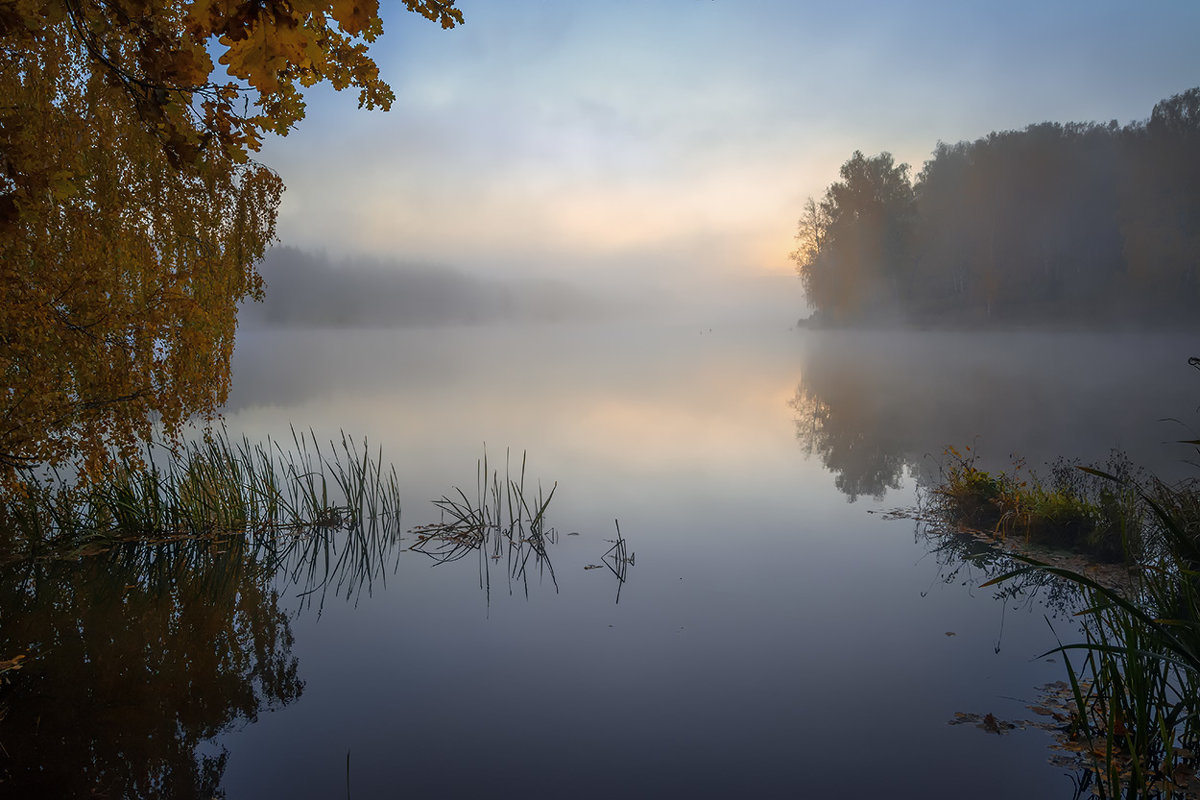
(131,213)
(853,254)
(812,232)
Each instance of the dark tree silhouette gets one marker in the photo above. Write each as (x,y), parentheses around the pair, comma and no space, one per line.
(135,661)
(1082,222)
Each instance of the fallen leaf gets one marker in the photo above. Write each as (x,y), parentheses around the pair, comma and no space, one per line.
(12,663)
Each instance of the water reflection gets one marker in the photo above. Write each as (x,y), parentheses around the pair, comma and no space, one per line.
(877,406)
(618,559)
(139,658)
(972,560)
(849,437)
(744,546)
(506,523)
(502,522)
(136,660)
(342,562)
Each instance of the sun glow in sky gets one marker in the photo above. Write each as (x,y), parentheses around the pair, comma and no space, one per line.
(649,140)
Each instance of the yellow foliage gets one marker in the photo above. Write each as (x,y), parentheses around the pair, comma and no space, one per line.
(131,216)
(159,53)
(121,273)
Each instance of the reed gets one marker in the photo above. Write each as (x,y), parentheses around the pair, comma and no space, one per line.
(618,559)
(501,522)
(1135,678)
(207,488)
(1137,683)
(1074,509)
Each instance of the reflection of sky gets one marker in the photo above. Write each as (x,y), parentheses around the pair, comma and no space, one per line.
(713,409)
(772,641)
(626,406)
(595,138)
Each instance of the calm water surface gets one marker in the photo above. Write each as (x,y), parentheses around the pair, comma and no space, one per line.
(776,636)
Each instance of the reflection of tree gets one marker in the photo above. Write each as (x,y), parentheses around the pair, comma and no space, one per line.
(860,463)
(873,404)
(137,659)
(844,415)
(972,559)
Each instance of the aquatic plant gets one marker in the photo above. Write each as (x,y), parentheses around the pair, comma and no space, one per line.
(209,487)
(1067,512)
(501,522)
(1136,689)
(618,559)
(972,497)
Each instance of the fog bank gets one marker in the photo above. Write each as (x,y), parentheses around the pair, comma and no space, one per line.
(307,289)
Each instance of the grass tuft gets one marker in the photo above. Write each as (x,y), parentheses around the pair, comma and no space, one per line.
(501,522)
(209,488)
(1136,676)
(1076,509)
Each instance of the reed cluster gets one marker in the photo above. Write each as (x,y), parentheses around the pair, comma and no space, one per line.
(209,487)
(1072,510)
(1135,678)
(501,522)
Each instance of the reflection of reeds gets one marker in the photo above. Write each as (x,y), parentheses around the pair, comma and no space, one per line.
(618,560)
(502,522)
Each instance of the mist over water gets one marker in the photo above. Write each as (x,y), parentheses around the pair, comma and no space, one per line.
(729,452)
(771,618)
(576,261)
(311,289)
(704,678)
(872,406)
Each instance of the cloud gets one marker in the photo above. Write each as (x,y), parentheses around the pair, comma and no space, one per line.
(552,137)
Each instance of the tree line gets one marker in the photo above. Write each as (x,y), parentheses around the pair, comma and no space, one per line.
(309,289)
(1080,222)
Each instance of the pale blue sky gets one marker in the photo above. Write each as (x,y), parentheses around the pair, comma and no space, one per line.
(657,138)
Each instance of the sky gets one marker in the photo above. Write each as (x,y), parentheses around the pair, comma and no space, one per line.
(672,143)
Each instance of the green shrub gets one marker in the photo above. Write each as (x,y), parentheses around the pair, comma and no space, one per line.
(971,497)
(1075,510)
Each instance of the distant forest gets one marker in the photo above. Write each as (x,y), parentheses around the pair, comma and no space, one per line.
(308,289)
(1078,223)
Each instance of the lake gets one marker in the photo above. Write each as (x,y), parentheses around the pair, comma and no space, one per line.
(777,633)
